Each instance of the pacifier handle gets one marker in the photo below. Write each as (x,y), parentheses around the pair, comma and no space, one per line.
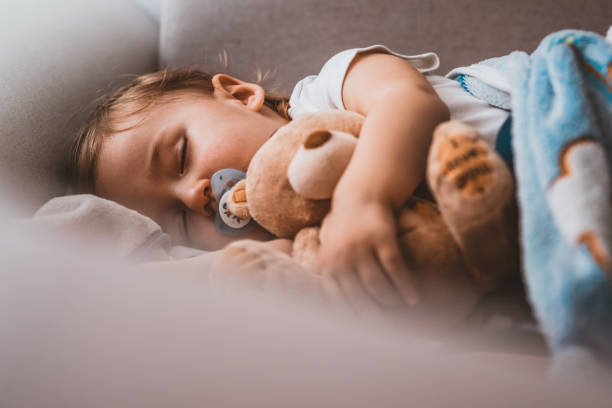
(227,222)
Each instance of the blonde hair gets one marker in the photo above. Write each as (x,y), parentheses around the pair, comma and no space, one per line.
(132,99)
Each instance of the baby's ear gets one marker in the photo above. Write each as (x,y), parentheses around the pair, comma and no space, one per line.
(250,94)
(238,204)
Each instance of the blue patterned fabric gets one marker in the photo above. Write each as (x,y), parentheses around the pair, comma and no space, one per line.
(485,92)
(561,139)
(503,142)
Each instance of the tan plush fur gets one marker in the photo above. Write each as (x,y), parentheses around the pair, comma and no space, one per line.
(448,281)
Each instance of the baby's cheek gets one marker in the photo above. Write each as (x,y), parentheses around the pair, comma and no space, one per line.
(204,235)
(227,153)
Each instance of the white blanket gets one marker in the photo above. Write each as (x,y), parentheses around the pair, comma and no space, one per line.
(113,230)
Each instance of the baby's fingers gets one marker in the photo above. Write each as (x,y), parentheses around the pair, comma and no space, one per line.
(375,281)
(348,288)
(356,296)
(333,292)
(391,259)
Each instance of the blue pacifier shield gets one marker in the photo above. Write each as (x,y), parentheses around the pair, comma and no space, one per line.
(226,222)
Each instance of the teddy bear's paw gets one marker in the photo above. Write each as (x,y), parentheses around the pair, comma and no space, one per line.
(238,204)
(465,174)
(475,194)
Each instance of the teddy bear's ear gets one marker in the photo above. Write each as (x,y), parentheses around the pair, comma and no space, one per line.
(319,163)
(316,139)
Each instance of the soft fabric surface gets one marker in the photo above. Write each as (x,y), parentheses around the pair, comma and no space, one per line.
(562,142)
(562,102)
(93,224)
(56,58)
(78,333)
(294,38)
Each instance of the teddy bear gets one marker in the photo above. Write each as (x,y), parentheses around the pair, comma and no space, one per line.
(458,246)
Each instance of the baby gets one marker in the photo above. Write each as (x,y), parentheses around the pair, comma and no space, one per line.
(154,145)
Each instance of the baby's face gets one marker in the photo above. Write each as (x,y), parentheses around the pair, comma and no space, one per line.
(162,167)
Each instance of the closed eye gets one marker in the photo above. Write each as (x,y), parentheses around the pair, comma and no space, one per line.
(183,155)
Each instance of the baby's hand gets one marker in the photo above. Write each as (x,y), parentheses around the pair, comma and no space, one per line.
(250,261)
(265,266)
(360,251)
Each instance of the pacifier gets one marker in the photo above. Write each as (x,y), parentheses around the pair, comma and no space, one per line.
(226,222)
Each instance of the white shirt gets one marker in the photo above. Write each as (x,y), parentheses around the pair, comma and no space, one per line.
(324,91)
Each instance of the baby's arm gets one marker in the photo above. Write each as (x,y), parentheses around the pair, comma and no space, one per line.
(402,110)
(248,262)
(359,237)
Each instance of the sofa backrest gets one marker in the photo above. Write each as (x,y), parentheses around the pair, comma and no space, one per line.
(294,38)
(56,57)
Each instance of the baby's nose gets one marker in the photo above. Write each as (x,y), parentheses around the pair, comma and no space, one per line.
(200,198)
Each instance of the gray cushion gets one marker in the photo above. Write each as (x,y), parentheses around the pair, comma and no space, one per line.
(297,37)
(152,7)
(55,58)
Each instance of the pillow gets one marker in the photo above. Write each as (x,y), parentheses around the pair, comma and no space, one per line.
(295,38)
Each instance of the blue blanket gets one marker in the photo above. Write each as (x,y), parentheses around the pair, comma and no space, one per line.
(561,99)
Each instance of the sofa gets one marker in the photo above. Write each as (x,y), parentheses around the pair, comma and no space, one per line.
(85,334)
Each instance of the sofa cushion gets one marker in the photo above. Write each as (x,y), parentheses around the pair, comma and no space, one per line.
(56,57)
(296,37)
